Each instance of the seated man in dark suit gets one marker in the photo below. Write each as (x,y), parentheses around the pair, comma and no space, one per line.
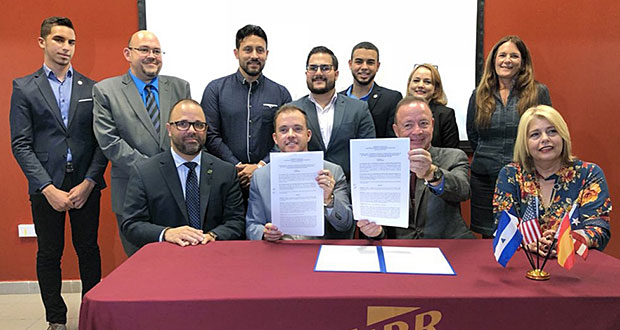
(292,135)
(184,195)
(364,64)
(439,180)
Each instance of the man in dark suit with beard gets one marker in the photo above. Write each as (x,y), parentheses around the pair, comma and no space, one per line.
(184,195)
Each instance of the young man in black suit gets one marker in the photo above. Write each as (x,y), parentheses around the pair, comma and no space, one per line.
(52,140)
(364,64)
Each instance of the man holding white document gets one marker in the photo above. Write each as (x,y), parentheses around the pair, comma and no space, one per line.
(439,180)
(292,135)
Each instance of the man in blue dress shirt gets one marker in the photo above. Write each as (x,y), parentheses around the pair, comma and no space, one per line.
(240,107)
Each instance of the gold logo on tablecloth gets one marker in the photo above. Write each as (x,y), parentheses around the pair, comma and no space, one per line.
(402,318)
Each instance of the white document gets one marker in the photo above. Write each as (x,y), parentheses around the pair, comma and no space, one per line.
(296,198)
(380,181)
(416,260)
(383,259)
(347,258)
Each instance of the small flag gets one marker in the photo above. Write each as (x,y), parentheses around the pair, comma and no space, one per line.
(566,248)
(507,238)
(529,226)
(581,245)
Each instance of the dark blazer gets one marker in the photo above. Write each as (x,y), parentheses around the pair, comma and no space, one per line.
(445,130)
(123,128)
(439,216)
(154,199)
(382,105)
(39,138)
(352,120)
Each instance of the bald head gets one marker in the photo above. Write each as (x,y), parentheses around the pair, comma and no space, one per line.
(143,53)
(186,105)
(187,140)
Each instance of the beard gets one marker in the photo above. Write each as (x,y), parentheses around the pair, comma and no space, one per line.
(188,148)
(329,85)
(148,72)
(252,72)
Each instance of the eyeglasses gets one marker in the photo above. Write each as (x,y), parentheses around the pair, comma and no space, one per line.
(316,67)
(145,51)
(415,66)
(183,125)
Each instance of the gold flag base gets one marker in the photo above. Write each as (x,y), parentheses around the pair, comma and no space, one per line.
(537,275)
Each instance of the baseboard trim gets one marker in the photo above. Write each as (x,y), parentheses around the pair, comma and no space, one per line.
(25,287)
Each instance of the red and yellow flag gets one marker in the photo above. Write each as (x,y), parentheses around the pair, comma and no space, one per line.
(566,249)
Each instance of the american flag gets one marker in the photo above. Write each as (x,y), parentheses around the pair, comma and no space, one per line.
(529,226)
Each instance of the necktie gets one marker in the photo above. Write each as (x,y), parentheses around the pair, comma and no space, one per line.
(192,196)
(151,106)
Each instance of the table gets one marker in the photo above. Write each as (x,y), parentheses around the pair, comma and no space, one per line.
(263,285)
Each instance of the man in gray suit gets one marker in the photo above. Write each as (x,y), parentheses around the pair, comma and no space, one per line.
(439,180)
(130,111)
(333,117)
(292,135)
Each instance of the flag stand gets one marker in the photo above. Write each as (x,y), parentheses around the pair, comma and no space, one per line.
(537,275)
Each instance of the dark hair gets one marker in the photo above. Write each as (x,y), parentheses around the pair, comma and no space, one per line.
(48,23)
(250,30)
(181,101)
(525,86)
(365,45)
(288,108)
(323,49)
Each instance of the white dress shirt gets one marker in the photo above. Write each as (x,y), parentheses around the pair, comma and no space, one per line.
(325,117)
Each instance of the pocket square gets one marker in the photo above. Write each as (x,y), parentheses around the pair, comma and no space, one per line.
(85,100)
(270,105)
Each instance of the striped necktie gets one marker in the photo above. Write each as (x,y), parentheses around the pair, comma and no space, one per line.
(151,106)
(192,196)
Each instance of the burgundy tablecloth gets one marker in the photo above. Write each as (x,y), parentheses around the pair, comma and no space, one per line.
(261,285)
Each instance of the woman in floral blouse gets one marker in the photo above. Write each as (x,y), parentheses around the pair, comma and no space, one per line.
(545,174)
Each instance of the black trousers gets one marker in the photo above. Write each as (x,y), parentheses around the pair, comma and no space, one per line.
(482,190)
(50,227)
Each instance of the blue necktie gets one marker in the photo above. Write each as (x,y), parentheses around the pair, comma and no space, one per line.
(192,196)
(151,106)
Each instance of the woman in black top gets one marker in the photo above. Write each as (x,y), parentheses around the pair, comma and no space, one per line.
(425,82)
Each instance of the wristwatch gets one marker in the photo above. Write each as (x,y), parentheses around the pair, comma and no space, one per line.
(437,175)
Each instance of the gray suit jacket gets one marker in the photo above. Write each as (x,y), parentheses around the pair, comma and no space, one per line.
(123,128)
(338,223)
(439,216)
(155,199)
(39,137)
(352,120)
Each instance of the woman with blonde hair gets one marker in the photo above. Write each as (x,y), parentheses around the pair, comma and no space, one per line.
(546,179)
(425,82)
(507,88)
